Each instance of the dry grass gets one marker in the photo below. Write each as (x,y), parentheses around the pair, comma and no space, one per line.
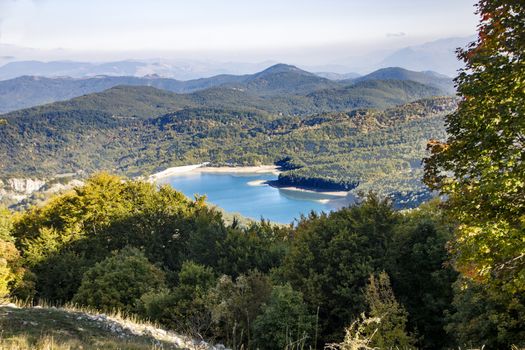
(70,327)
(47,342)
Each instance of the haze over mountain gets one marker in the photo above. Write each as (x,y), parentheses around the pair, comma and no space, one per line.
(168,68)
(396,73)
(280,79)
(338,76)
(438,56)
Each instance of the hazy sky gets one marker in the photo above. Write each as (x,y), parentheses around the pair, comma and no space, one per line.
(225,27)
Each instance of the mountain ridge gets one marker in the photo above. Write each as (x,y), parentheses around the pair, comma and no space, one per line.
(147,101)
(430,78)
(30,91)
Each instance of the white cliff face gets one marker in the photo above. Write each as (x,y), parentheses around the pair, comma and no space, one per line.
(24,186)
(15,190)
(18,189)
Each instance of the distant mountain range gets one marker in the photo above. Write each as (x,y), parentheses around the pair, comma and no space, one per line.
(176,69)
(430,78)
(369,131)
(438,56)
(300,87)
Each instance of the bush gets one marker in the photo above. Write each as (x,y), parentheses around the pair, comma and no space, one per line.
(236,304)
(119,281)
(285,321)
(184,308)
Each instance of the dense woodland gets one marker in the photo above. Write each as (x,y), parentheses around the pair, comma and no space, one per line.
(379,150)
(154,253)
(449,274)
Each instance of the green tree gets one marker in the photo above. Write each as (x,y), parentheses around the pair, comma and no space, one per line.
(486,316)
(421,276)
(9,257)
(186,307)
(6,224)
(481,166)
(63,238)
(285,322)
(118,282)
(332,256)
(235,305)
(15,280)
(390,331)
(261,246)
(8,253)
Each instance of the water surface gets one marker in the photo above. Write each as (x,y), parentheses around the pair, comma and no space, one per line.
(239,193)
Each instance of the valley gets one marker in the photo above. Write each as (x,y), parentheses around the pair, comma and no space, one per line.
(342,139)
(166,183)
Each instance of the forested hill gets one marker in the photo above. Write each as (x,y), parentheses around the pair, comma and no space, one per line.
(369,133)
(148,102)
(379,149)
(278,80)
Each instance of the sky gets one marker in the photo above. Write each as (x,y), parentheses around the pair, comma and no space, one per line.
(249,29)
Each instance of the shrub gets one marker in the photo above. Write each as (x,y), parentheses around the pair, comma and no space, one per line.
(184,308)
(285,321)
(119,281)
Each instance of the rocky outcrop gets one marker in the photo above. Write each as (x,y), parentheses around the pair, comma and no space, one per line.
(24,186)
(17,189)
(58,187)
(14,191)
(72,320)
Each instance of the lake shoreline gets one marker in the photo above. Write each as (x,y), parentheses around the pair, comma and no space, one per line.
(205,168)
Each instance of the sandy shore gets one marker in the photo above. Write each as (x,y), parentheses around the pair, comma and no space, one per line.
(203,168)
(258,183)
(261,169)
(175,171)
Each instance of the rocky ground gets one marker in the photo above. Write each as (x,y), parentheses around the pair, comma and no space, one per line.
(18,193)
(37,327)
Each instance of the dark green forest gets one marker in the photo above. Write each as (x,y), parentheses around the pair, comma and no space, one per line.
(154,253)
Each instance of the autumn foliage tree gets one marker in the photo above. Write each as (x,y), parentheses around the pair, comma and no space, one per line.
(480,168)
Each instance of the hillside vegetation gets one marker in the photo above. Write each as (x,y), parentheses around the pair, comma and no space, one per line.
(379,150)
(336,131)
(276,81)
(155,254)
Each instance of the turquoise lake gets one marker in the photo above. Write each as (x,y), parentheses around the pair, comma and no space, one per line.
(239,193)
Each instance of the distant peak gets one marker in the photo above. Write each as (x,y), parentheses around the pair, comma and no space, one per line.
(282,68)
(392,69)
